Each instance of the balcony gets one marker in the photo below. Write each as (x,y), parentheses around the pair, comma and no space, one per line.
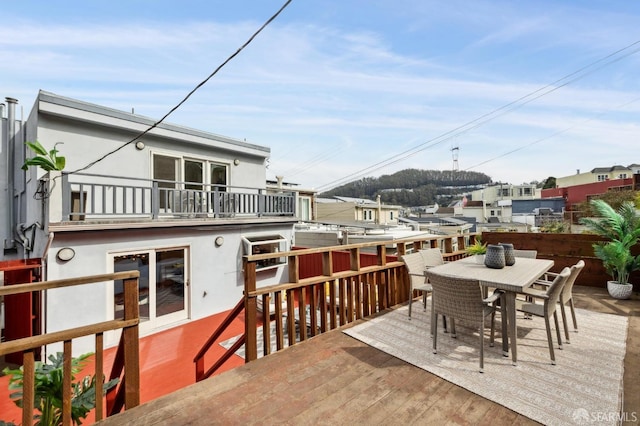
(93,198)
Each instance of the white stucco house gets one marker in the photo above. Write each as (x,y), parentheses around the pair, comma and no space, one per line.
(180,205)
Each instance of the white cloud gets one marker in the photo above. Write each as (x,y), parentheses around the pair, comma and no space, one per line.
(332,97)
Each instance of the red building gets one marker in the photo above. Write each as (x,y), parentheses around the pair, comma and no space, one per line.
(576,194)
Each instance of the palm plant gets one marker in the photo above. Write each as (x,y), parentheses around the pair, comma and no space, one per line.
(477,247)
(622,228)
(48,161)
(48,383)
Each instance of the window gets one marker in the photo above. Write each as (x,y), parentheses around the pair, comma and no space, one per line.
(218,176)
(258,244)
(391,215)
(166,170)
(197,175)
(304,208)
(602,178)
(525,191)
(162,295)
(622,176)
(193,174)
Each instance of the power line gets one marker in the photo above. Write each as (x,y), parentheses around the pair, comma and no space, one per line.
(492,115)
(554,134)
(202,83)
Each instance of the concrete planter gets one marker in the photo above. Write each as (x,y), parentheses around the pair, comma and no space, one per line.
(619,291)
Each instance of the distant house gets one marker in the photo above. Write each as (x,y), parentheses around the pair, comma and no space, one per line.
(305,199)
(598,174)
(356,210)
(581,187)
(179,205)
(494,193)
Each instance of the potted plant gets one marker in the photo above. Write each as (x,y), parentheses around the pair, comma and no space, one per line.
(622,228)
(477,249)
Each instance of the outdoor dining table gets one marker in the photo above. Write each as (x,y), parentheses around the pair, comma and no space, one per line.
(511,279)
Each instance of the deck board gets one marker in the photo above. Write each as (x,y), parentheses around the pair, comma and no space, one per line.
(335,379)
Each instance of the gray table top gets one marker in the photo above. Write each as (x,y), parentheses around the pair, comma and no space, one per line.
(510,278)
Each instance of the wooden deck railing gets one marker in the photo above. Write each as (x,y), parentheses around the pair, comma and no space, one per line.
(326,288)
(129,386)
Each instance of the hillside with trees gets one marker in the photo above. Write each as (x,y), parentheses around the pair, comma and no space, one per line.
(413,187)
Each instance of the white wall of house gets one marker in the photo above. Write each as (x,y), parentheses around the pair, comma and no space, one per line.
(494,193)
(88,132)
(86,138)
(215,273)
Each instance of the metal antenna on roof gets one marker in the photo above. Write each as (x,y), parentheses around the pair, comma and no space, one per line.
(454,154)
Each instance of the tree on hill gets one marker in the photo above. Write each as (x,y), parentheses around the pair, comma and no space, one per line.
(411,187)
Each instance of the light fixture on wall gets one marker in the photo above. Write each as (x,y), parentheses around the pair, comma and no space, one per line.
(139,145)
(65,254)
(236,161)
(219,241)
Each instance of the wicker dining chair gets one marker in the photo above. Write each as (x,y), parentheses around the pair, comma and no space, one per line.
(566,296)
(547,308)
(460,298)
(415,268)
(431,257)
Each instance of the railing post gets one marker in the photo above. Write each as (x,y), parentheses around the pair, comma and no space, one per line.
(66,383)
(155,200)
(131,343)
(250,312)
(261,203)
(216,202)
(28,387)
(66,197)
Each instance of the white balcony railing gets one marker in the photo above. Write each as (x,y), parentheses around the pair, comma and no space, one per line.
(99,197)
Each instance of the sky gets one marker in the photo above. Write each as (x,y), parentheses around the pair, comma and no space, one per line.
(341,90)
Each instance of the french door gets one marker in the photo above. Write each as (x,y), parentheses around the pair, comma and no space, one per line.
(163,286)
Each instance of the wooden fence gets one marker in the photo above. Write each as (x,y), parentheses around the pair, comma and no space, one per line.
(564,250)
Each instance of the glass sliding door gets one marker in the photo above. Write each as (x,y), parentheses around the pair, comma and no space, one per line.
(170,282)
(163,295)
(132,262)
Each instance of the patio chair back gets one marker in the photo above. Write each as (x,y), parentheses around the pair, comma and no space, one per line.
(458,298)
(568,286)
(415,267)
(554,291)
(431,257)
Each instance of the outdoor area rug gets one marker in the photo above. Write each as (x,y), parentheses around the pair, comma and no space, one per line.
(584,387)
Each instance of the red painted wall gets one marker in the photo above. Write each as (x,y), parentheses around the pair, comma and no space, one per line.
(579,193)
(22,311)
(311,264)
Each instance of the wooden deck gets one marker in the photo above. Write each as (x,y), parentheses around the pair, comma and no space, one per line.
(335,379)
